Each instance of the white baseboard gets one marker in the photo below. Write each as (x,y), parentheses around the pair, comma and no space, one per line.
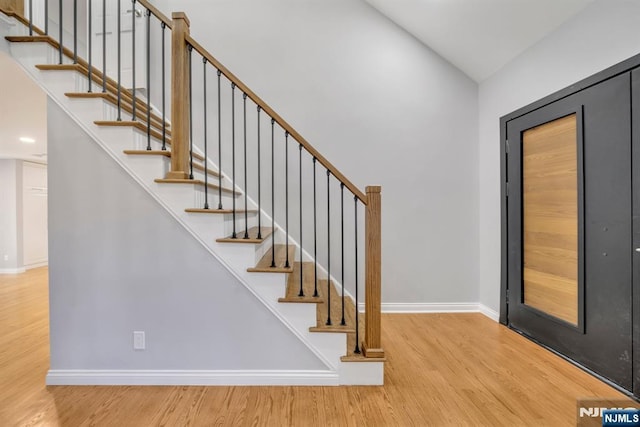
(190,377)
(428,307)
(431,307)
(489,312)
(37,265)
(12,270)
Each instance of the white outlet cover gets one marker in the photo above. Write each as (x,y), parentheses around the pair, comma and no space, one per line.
(139,340)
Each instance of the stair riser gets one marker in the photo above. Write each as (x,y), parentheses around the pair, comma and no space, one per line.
(36,53)
(331,346)
(363,373)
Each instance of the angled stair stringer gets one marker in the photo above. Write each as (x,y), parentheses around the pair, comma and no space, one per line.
(266,287)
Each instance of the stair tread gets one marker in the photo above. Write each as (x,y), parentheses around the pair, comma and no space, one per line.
(196,182)
(360,358)
(125,104)
(138,125)
(293,285)
(253,236)
(264,265)
(220,211)
(336,311)
(81,67)
(167,153)
(23,39)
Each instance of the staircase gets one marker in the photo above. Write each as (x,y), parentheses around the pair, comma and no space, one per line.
(181,170)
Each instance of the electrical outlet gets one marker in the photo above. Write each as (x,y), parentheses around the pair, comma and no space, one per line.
(139,342)
(6,257)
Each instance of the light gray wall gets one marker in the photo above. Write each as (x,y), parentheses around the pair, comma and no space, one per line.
(119,262)
(380,106)
(10,215)
(605,33)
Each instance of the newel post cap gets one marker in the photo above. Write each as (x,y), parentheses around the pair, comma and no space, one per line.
(181,15)
(373,189)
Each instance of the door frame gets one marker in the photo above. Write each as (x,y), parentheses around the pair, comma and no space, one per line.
(611,72)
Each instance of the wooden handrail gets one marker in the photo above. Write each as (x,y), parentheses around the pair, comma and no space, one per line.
(155,12)
(283,124)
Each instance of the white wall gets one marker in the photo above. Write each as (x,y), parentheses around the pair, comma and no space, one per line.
(605,33)
(119,262)
(10,216)
(380,106)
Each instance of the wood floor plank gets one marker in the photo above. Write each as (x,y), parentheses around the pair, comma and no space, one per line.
(458,369)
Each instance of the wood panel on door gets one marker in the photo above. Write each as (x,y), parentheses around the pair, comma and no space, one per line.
(550,218)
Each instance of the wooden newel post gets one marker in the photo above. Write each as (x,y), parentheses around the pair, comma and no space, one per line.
(372,345)
(179,97)
(16,6)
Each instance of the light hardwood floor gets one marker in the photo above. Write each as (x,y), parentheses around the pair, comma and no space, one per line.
(443,369)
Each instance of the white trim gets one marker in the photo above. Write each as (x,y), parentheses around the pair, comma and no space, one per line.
(190,377)
(37,265)
(430,307)
(12,270)
(489,312)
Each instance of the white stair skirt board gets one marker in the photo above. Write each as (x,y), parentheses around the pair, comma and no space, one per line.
(193,378)
(175,198)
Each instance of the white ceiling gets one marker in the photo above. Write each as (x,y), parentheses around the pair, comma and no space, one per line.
(23,113)
(479,36)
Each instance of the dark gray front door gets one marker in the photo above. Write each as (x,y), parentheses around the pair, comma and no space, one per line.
(569,210)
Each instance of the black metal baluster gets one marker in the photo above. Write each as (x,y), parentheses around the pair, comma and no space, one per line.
(30,17)
(357,349)
(204,80)
(315,234)
(219,146)
(246,184)
(233,157)
(286,196)
(104,45)
(148,80)
(133,58)
(342,322)
(75,31)
(259,179)
(328,248)
(273,200)
(301,293)
(191,116)
(89,41)
(60,32)
(164,90)
(119,67)
(46,17)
